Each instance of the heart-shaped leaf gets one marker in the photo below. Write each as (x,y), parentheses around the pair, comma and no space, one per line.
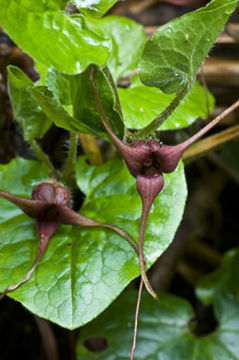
(128,39)
(26,110)
(165,328)
(84,269)
(95,8)
(76,91)
(52,38)
(142,104)
(173,55)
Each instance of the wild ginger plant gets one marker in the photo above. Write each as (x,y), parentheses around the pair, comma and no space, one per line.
(79,94)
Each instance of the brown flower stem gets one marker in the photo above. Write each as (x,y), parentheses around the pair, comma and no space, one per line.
(136,318)
(209,126)
(114,88)
(68,216)
(155,124)
(210,143)
(142,262)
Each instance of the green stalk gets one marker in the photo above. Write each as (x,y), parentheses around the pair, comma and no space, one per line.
(155,124)
(67,176)
(42,156)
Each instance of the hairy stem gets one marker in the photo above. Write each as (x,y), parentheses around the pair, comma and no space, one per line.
(136,318)
(209,126)
(42,156)
(71,158)
(154,125)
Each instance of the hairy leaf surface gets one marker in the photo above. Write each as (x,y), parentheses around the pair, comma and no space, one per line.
(173,55)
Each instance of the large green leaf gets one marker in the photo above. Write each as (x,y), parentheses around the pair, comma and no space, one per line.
(94,7)
(128,39)
(43,5)
(223,277)
(173,55)
(142,104)
(76,91)
(84,269)
(53,38)
(25,109)
(164,330)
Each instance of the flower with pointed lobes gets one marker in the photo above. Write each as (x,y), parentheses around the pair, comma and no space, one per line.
(147,161)
(50,206)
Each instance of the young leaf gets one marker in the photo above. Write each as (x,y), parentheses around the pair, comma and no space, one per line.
(128,39)
(84,269)
(141,104)
(164,330)
(53,38)
(55,111)
(77,91)
(95,8)
(26,110)
(172,57)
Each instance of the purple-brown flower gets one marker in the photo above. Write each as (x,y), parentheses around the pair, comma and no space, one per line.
(50,206)
(147,161)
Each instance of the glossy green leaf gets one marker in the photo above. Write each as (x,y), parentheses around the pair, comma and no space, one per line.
(53,38)
(76,91)
(55,111)
(226,274)
(164,330)
(84,269)
(38,6)
(25,109)
(173,55)
(142,104)
(128,39)
(95,8)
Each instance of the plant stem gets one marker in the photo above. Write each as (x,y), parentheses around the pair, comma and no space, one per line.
(210,143)
(142,262)
(154,125)
(136,318)
(42,156)
(114,88)
(71,158)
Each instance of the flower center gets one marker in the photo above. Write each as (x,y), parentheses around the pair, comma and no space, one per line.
(151,166)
